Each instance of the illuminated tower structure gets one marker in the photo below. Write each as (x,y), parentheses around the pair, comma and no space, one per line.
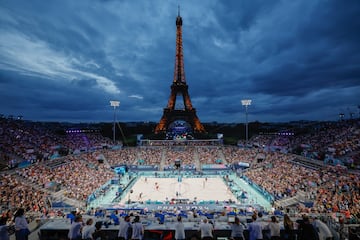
(173,112)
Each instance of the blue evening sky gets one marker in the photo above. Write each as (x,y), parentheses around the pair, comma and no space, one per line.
(64,60)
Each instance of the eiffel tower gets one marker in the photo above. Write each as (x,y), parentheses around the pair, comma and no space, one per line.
(179,88)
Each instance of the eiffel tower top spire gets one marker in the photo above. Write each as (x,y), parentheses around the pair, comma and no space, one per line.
(179,73)
(178,19)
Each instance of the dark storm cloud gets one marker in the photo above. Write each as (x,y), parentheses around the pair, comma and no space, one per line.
(286,72)
(237,15)
(64,60)
(50,100)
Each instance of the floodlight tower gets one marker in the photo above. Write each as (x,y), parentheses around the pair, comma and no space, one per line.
(114,104)
(246,103)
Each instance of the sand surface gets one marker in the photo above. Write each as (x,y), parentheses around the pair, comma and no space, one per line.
(160,189)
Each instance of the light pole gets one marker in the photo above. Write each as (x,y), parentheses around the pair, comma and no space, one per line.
(114,104)
(246,103)
(341,116)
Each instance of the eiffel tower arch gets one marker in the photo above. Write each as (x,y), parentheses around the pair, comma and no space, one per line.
(181,114)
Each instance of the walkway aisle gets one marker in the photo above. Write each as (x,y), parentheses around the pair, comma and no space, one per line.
(106,200)
(196,159)
(253,195)
(162,160)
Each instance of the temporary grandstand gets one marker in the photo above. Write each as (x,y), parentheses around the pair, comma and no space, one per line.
(171,177)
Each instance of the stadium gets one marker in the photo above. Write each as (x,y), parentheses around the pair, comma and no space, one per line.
(177,178)
(84,172)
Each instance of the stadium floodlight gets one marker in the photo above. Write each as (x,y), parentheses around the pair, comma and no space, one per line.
(114,104)
(246,103)
(341,116)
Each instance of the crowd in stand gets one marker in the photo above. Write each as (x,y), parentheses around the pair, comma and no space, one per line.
(259,140)
(184,154)
(332,189)
(123,156)
(318,140)
(282,178)
(210,155)
(19,140)
(235,155)
(163,143)
(150,156)
(15,194)
(34,141)
(340,192)
(339,140)
(79,177)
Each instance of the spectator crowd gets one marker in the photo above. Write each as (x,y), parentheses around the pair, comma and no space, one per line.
(80,173)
